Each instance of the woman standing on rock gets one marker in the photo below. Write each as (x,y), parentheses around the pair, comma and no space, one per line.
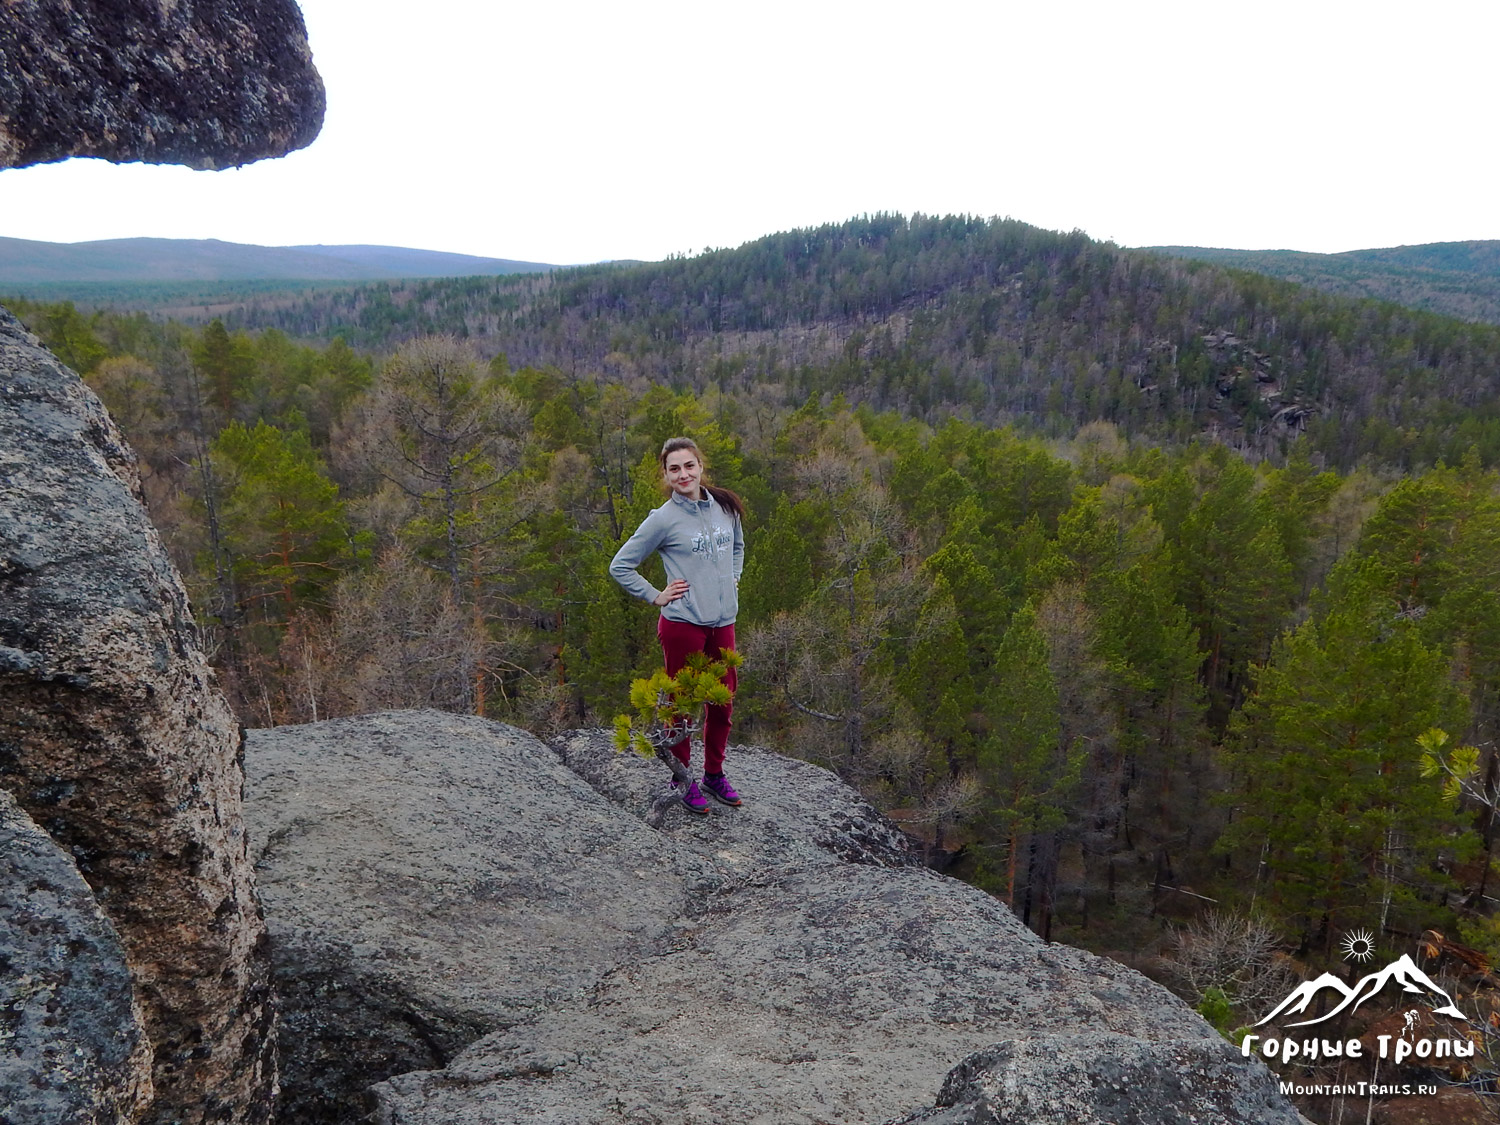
(699,534)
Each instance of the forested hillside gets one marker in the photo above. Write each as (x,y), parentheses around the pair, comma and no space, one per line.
(1460,279)
(1128,675)
(995,321)
(1112,679)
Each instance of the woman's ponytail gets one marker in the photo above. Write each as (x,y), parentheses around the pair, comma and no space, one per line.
(728,500)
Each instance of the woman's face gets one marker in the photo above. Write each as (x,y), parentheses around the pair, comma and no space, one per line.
(684,470)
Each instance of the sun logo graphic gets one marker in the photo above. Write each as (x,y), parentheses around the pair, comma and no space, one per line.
(1358,945)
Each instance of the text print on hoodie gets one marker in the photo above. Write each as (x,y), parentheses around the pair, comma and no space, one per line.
(701,544)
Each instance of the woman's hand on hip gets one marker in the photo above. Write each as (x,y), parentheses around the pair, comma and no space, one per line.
(673,591)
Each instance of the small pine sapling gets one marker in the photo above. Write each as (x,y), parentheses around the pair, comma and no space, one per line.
(1458,767)
(670,708)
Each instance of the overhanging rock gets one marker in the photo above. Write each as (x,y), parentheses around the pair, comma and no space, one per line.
(206,83)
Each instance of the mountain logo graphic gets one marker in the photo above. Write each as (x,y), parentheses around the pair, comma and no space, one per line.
(1402,970)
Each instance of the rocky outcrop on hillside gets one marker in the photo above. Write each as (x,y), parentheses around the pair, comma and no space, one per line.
(206,83)
(1244,374)
(72,1044)
(513,941)
(117,743)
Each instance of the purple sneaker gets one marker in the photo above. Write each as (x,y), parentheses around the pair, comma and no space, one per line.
(720,790)
(694,800)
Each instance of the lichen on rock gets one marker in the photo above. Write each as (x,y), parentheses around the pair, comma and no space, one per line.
(72,1043)
(787,961)
(117,742)
(206,83)
(1100,1079)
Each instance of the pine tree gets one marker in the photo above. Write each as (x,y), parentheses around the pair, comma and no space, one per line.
(227,364)
(778,573)
(1232,574)
(938,684)
(1153,651)
(609,636)
(444,431)
(1293,498)
(1028,774)
(1328,765)
(283,521)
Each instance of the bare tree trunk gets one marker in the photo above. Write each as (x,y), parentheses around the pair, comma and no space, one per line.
(1387,872)
(312,697)
(1030,880)
(450,528)
(223,577)
(856,688)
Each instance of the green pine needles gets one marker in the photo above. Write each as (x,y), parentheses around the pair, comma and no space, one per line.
(1457,767)
(670,708)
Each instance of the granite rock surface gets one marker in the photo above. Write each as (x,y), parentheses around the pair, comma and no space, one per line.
(1094,1079)
(430,878)
(797,812)
(206,83)
(580,951)
(117,742)
(73,1047)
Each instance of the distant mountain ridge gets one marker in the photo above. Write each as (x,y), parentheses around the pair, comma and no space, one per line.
(932,314)
(1459,279)
(26,262)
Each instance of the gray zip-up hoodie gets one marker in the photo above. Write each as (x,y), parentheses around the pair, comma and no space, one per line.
(700,543)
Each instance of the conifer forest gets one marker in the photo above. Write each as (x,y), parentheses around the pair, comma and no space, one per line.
(1150,595)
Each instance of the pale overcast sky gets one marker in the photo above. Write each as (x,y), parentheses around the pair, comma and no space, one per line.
(572,132)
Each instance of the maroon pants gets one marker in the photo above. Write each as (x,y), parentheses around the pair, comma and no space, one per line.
(678,638)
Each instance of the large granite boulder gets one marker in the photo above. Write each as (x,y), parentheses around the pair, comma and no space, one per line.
(788,961)
(206,83)
(1095,1079)
(72,1045)
(112,734)
(804,995)
(429,878)
(117,743)
(801,813)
